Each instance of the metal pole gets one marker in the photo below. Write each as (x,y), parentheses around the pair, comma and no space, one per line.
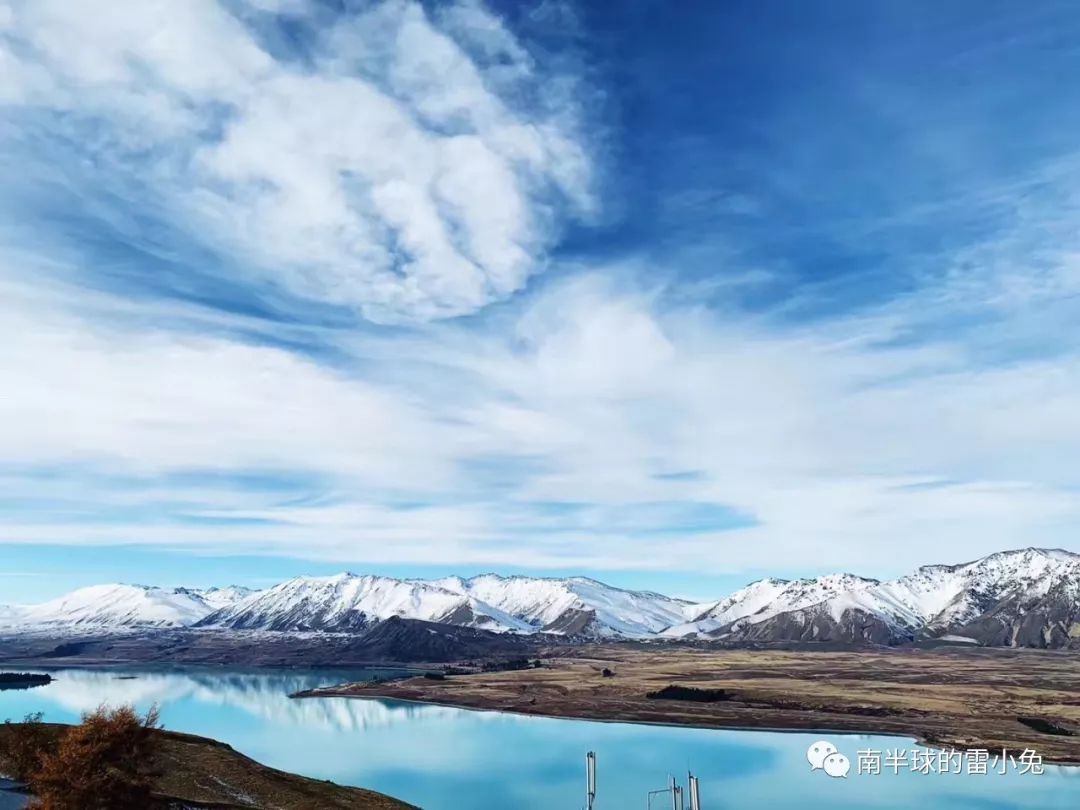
(590,779)
(695,792)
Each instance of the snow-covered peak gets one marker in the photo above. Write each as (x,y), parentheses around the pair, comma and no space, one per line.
(120,606)
(1023,567)
(765,598)
(802,593)
(577,605)
(453,583)
(945,595)
(746,600)
(933,599)
(871,601)
(348,601)
(218,598)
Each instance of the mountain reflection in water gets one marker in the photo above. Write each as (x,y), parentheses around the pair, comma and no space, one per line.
(450,759)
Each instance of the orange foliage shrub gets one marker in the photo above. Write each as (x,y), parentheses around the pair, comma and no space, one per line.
(105,763)
(22,746)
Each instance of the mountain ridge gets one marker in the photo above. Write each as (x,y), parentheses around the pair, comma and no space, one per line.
(1022,597)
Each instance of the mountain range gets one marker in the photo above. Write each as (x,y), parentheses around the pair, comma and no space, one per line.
(1023,598)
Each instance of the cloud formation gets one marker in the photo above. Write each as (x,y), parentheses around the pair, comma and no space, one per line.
(235,246)
(405,164)
(595,426)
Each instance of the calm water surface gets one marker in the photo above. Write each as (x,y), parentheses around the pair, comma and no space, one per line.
(450,759)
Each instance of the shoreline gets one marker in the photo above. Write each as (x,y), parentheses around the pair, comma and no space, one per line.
(934,702)
(315,694)
(940,698)
(583,718)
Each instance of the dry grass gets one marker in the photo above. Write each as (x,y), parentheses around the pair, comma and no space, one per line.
(970,698)
(200,773)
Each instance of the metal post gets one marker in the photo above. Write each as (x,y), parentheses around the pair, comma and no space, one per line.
(675,795)
(590,779)
(695,792)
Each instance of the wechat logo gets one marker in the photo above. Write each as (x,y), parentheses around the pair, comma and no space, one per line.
(823,756)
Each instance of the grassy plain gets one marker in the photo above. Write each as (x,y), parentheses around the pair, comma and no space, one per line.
(963,698)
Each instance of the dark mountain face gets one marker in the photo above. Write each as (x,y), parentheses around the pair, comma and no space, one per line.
(296,620)
(574,623)
(1047,622)
(853,627)
(397,639)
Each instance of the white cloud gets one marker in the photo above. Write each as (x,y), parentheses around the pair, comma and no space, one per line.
(450,444)
(415,165)
(387,170)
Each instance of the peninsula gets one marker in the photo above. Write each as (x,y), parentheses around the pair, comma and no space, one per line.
(962,698)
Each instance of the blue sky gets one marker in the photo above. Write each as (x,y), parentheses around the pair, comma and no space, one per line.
(673,300)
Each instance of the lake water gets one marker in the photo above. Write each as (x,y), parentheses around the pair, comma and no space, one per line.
(451,759)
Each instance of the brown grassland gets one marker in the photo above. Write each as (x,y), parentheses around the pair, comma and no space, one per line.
(963,698)
(195,772)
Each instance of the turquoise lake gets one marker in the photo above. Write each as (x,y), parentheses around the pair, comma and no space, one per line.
(451,759)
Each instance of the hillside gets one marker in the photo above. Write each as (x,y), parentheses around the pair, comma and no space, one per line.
(201,774)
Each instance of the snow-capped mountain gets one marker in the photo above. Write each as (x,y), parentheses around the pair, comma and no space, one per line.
(953,595)
(802,593)
(347,602)
(714,616)
(127,606)
(1029,597)
(575,606)
(120,606)
(856,615)
(767,598)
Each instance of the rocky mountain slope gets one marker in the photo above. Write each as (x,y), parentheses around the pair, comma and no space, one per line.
(397,639)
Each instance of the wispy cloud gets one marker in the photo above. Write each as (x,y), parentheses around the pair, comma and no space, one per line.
(556,436)
(235,245)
